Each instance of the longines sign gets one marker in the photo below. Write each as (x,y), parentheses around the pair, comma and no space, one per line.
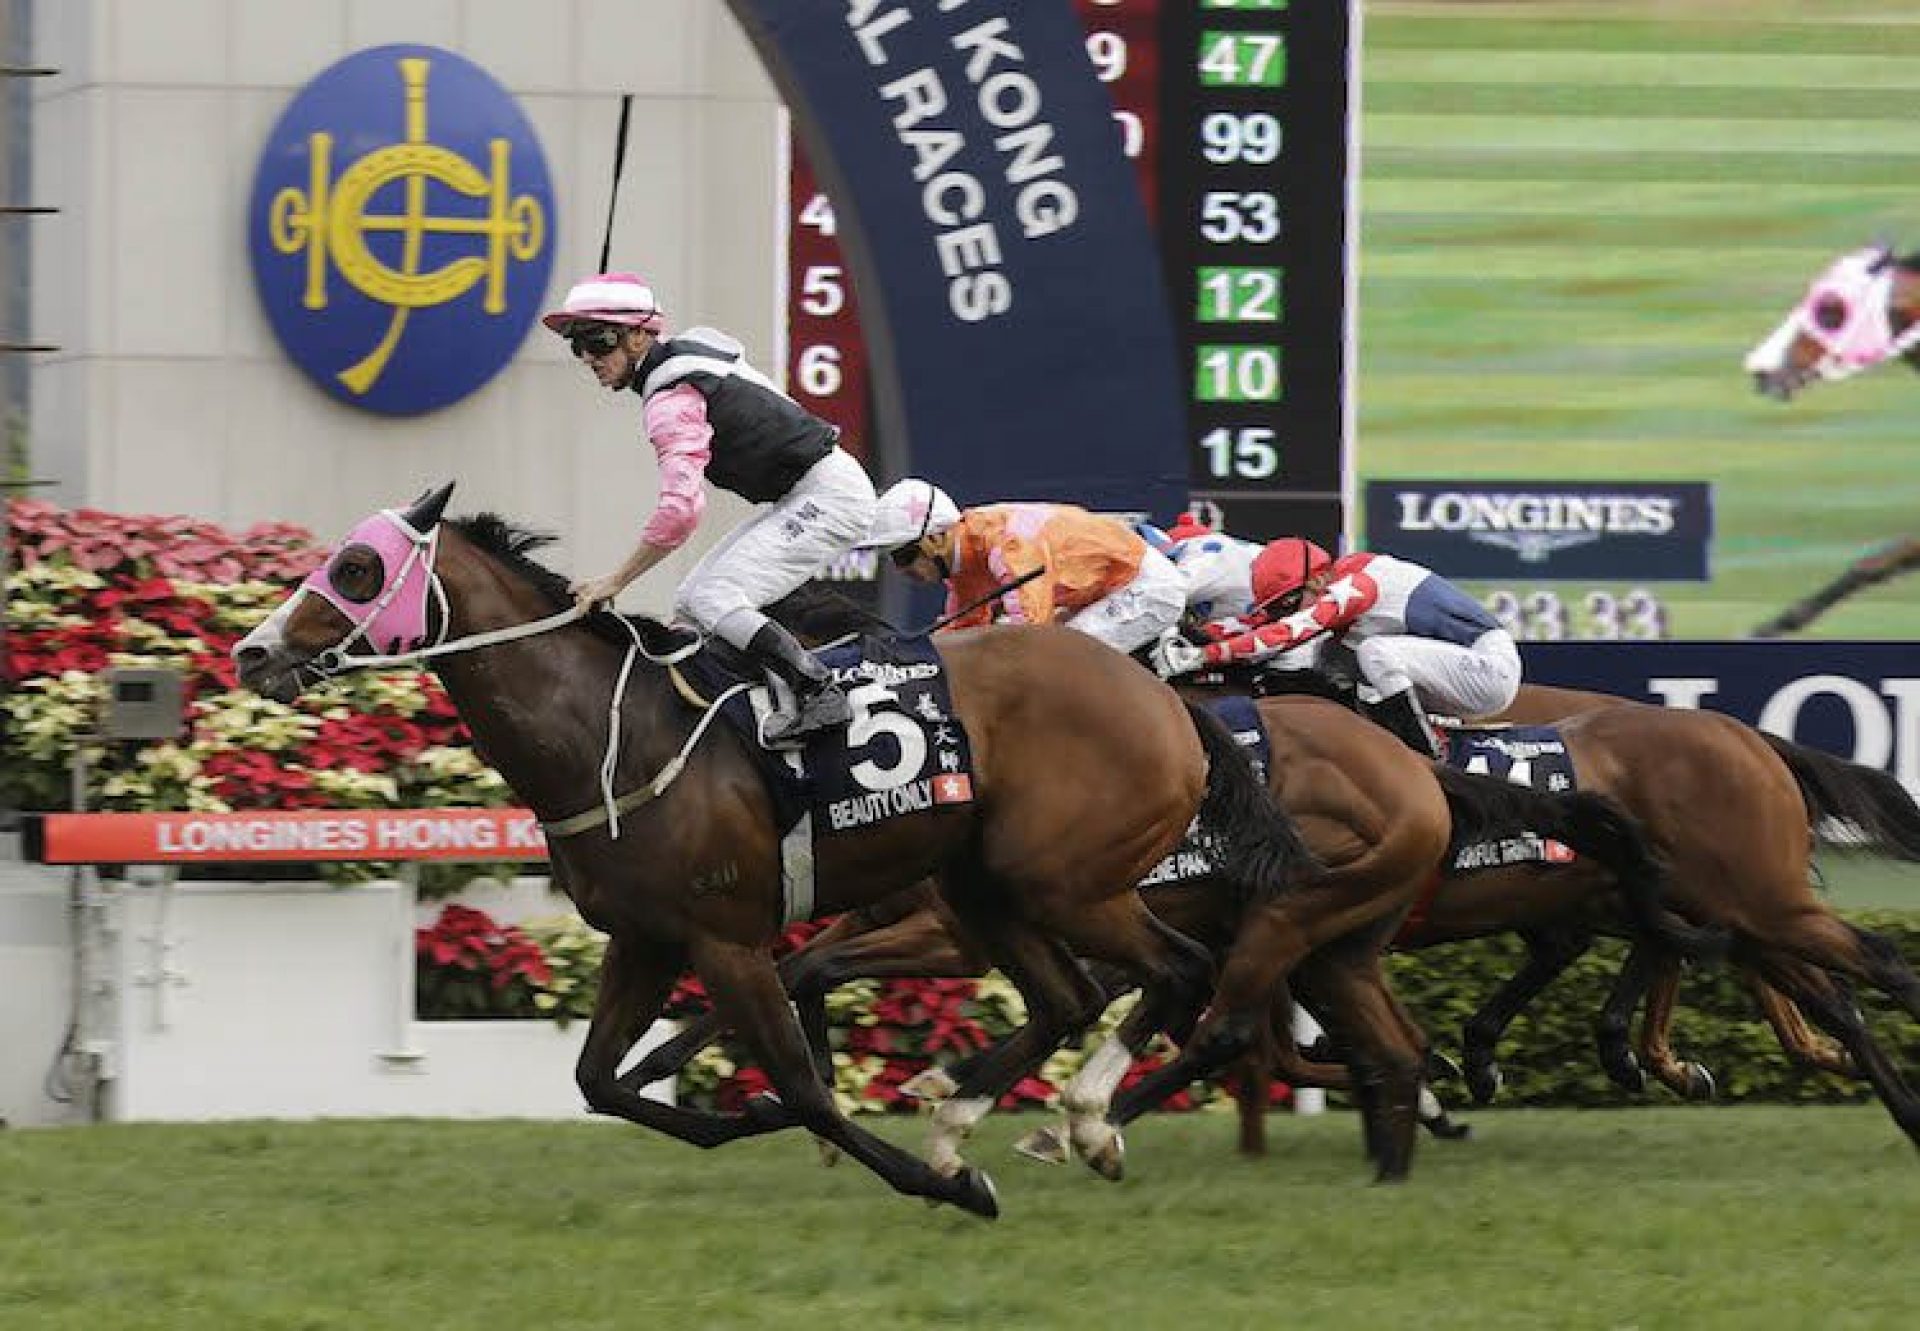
(401,228)
(1860,700)
(1553,529)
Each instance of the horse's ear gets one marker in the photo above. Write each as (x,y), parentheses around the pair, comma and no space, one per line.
(425,513)
(1882,248)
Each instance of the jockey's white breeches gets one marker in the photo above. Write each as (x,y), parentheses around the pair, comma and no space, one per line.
(1466,682)
(778,548)
(1139,612)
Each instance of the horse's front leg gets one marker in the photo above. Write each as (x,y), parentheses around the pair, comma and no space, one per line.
(748,995)
(636,978)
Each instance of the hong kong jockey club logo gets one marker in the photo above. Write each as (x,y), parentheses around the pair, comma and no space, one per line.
(401,228)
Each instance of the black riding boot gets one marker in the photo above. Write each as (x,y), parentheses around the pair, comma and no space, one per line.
(1403,716)
(818,703)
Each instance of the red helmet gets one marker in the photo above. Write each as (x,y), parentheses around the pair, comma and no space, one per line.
(1187,526)
(1284,565)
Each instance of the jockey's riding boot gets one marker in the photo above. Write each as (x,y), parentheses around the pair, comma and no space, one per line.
(1402,715)
(818,702)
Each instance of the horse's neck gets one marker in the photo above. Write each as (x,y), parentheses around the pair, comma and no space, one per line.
(537,707)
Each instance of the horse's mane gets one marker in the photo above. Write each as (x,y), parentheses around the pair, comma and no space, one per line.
(513,546)
(814,613)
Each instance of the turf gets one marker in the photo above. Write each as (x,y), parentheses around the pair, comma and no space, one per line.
(1706,1217)
(1577,218)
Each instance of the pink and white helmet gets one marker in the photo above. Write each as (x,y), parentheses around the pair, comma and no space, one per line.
(608,298)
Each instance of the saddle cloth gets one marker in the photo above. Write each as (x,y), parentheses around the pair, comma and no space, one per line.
(1190,860)
(1531,756)
(903,752)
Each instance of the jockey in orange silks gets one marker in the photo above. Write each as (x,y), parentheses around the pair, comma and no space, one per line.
(1096,574)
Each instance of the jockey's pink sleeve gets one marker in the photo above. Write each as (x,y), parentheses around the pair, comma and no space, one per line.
(676,421)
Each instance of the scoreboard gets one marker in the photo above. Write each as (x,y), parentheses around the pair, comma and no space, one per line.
(1237,116)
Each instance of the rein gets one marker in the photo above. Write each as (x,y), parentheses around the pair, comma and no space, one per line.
(338,659)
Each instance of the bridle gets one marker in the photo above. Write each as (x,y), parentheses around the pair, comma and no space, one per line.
(425,594)
(1863,283)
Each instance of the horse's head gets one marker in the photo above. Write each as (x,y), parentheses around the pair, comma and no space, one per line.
(1864,309)
(378,589)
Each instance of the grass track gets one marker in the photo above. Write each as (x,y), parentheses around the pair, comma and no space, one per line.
(1575,219)
(1696,1218)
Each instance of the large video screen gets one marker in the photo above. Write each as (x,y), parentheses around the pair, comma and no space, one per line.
(1574,229)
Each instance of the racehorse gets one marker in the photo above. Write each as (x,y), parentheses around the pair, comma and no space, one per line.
(1746,868)
(1862,310)
(1379,815)
(1087,771)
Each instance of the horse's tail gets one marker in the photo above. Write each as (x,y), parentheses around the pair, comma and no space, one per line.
(1255,844)
(1871,808)
(1592,825)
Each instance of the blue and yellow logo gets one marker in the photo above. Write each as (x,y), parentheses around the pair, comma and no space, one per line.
(401,228)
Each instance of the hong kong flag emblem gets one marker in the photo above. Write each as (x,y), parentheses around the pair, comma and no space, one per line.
(954,788)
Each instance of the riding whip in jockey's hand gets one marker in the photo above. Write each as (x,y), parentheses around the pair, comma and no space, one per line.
(711,416)
(1094,574)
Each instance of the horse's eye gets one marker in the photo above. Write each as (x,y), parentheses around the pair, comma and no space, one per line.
(358,574)
(1830,312)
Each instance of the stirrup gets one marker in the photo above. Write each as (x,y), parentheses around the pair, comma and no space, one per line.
(825,710)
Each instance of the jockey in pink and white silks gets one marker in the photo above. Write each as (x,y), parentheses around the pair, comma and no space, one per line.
(1421,643)
(711,416)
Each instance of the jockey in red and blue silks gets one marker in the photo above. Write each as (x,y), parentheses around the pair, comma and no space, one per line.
(1420,641)
(711,416)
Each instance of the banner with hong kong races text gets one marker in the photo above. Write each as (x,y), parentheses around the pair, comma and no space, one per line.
(293,836)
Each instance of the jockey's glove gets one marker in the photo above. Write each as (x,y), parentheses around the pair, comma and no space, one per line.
(1174,655)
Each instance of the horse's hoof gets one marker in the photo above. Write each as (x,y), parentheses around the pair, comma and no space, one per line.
(1625,1072)
(1484,1082)
(1048,1145)
(1109,1160)
(1700,1085)
(974,1191)
(930,1084)
(1446,1130)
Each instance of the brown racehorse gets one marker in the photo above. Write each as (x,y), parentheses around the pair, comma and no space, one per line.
(1746,868)
(1378,814)
(1088,771)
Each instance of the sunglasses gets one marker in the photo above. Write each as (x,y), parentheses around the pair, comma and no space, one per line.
(595,340)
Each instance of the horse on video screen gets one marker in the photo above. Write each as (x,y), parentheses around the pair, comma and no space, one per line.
(1862,310)
(1086,771)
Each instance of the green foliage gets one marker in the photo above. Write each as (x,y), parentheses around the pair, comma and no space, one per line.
(1548,1054)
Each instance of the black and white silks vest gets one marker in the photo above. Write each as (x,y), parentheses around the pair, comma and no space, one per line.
(763,441)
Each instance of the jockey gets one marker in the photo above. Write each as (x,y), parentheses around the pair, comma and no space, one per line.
(1419,640)
(1218,569)
(1101,577)
(709,414)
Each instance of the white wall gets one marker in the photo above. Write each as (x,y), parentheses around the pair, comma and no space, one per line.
(171,393)
(239,1000)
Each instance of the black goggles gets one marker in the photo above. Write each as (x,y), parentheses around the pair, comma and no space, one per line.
(594,339)
(903,556)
